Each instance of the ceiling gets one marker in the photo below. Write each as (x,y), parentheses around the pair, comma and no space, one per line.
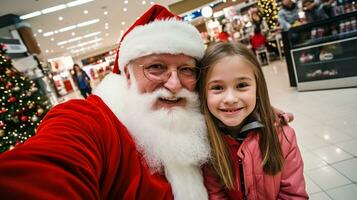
(117,21)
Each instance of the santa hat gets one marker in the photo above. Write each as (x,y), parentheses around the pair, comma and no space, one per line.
(158,31)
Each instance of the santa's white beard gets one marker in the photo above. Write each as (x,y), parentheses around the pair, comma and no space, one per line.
(173,140)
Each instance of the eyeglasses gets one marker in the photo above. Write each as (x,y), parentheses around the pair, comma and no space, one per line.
(160,73)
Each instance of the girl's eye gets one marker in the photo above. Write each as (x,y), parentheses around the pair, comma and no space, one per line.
(242,85)
(216,87)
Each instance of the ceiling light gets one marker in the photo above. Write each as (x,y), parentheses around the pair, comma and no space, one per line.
(92,34)
(143,2)
(87,23)
(53,9)
(106,27)
(62,43)
(73,33)
(46,50)
(78,2)
(67,28)
(85,43)
(125,9)
(33,14)
(105,12)
(51,51)
(152,3)
(55,31)
(39,30)
(85,12)
(106,24)
(52,39)
(74,39)
(126,2)
(34,34)
(60,18)
(106,34)
(38,44)
(234,0)
(123,23)
(207,11)
(48,34)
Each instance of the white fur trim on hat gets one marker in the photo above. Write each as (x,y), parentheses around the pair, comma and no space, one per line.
(162,36)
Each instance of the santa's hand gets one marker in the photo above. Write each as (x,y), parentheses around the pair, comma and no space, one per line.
(284,117)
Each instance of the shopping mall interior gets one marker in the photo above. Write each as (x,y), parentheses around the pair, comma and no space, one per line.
(310,65)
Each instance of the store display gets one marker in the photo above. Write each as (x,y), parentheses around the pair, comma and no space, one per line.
(322,54)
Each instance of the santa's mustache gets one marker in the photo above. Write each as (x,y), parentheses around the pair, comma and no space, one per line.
(192,100)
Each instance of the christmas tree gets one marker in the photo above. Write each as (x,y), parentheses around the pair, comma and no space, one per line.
(269,12)
(22,105)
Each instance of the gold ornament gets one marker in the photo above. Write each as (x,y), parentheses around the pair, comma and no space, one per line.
(39,111)
(2,133)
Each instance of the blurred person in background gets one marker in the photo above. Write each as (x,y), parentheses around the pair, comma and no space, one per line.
(82,80)
(288,15)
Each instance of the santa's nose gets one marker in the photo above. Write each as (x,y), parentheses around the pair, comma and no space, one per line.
(173,84)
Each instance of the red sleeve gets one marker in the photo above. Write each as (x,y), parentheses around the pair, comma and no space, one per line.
(292,184)
(213,185)
(66,159)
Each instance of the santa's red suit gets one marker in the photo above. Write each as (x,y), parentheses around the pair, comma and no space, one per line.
(99,161)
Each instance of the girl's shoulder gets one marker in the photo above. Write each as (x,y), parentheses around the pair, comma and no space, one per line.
(287,137)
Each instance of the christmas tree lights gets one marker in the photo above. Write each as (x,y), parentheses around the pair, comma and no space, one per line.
(269,12)
(22,105)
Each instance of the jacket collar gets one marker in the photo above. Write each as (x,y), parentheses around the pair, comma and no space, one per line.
(253,122)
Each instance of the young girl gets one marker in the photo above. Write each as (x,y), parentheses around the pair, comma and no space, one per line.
(253,155)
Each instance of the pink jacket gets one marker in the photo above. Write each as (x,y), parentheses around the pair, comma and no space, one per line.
(287,184)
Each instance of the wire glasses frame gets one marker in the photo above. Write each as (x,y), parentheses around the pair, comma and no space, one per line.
(161,73)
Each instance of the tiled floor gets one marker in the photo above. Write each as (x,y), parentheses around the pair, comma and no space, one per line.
(326,127)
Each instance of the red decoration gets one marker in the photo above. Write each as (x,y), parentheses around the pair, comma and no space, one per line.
(3,110)
(12,99)
(8,85)
(2,124)
(24,118)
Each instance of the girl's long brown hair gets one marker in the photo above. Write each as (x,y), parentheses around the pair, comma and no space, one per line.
(269,143)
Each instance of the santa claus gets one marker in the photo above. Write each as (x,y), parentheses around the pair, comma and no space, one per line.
(140,136)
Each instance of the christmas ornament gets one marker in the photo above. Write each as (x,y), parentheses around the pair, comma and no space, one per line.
(8,85)
(12,99)
(33,89)
(17,88)
(39,112)
(3,110)
(34,118)
(24,118)
(2,133)
(31,106)
(2,124)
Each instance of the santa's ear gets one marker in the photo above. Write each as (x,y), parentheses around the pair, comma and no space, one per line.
(127,74)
